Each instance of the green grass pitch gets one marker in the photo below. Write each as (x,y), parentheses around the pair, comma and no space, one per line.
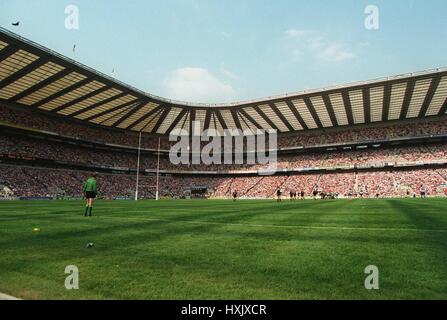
(217,249)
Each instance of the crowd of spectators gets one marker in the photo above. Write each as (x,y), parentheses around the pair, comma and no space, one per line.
(301,139)
(371,184)
(21,146)
(45,182)
(364,134)
(77,130)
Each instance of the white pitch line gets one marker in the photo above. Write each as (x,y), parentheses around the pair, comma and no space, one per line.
(7,297)
(283,226)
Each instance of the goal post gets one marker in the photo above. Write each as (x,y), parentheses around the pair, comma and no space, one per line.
(138,166)
(158,170)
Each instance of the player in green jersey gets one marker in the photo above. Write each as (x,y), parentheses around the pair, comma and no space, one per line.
(90,193)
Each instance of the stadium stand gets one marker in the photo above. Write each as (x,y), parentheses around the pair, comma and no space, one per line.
(60,121)
(22,152)
(25,181)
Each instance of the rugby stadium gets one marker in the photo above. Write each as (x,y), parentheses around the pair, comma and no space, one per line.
(360,180)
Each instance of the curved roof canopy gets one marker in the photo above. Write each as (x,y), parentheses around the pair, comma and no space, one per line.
(38,78)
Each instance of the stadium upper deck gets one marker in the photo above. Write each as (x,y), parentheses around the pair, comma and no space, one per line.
(38,78)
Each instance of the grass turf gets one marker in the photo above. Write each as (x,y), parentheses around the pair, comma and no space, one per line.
(217,249)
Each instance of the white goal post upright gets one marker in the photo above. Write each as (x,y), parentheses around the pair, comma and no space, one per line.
(138,167)
(158,169)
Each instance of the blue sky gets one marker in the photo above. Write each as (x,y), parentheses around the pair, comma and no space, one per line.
(228,50)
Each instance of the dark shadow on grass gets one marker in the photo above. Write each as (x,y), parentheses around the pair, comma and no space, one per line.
(416,214)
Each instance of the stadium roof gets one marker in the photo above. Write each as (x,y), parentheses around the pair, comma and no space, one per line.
(36,77)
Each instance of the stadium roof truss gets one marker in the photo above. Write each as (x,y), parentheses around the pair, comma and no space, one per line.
(38,78)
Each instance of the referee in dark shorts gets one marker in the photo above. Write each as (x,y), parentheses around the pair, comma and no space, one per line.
(90,192)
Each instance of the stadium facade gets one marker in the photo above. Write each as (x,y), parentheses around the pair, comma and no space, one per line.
(60,119)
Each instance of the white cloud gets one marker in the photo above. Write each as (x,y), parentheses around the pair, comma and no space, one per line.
(297,33)
(227,73)
(315,43)
(197,85)
(335,52)
(312,43)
